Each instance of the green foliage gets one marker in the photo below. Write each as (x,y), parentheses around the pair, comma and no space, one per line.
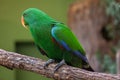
(113,10)
(108,65)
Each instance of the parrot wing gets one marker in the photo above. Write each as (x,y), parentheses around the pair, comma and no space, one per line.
(64,36)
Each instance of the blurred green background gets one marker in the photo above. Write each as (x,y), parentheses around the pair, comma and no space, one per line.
(15,38)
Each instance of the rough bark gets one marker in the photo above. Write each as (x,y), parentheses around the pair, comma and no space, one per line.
(14,60)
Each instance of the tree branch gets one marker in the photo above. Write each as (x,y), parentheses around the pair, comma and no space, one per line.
(18,61)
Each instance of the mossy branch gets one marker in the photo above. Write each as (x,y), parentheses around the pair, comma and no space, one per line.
(14,60)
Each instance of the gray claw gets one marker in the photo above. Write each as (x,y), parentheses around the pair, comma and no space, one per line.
(59,65)
(48,62)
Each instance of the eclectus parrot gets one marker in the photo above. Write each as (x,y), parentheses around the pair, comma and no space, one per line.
(55,40)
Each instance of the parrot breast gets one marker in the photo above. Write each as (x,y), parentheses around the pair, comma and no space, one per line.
(43,38)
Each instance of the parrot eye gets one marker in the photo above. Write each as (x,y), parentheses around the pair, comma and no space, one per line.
(24,14)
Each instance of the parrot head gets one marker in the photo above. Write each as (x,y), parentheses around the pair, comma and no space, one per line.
(33,16)
(29,17)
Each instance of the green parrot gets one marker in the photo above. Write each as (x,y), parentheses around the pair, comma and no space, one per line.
(54,40)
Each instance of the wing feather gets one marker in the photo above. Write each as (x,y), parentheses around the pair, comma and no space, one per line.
(64,36)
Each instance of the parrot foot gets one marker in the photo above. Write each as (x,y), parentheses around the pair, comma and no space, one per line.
(59,65)
(48,62)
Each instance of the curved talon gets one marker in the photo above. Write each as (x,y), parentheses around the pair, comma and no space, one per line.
(59,65)
(48,62)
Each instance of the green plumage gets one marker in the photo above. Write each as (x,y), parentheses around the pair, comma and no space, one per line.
(54,39)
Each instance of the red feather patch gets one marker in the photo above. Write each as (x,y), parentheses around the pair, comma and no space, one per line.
(53,40)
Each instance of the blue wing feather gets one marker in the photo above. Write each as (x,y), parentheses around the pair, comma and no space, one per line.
(77,53)
(80,56)
(65,45)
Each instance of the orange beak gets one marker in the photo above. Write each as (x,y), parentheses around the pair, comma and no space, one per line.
(23,22)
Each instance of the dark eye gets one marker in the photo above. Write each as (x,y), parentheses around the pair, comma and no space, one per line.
(24,14)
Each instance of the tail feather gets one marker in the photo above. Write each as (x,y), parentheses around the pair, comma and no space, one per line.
(88,67)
